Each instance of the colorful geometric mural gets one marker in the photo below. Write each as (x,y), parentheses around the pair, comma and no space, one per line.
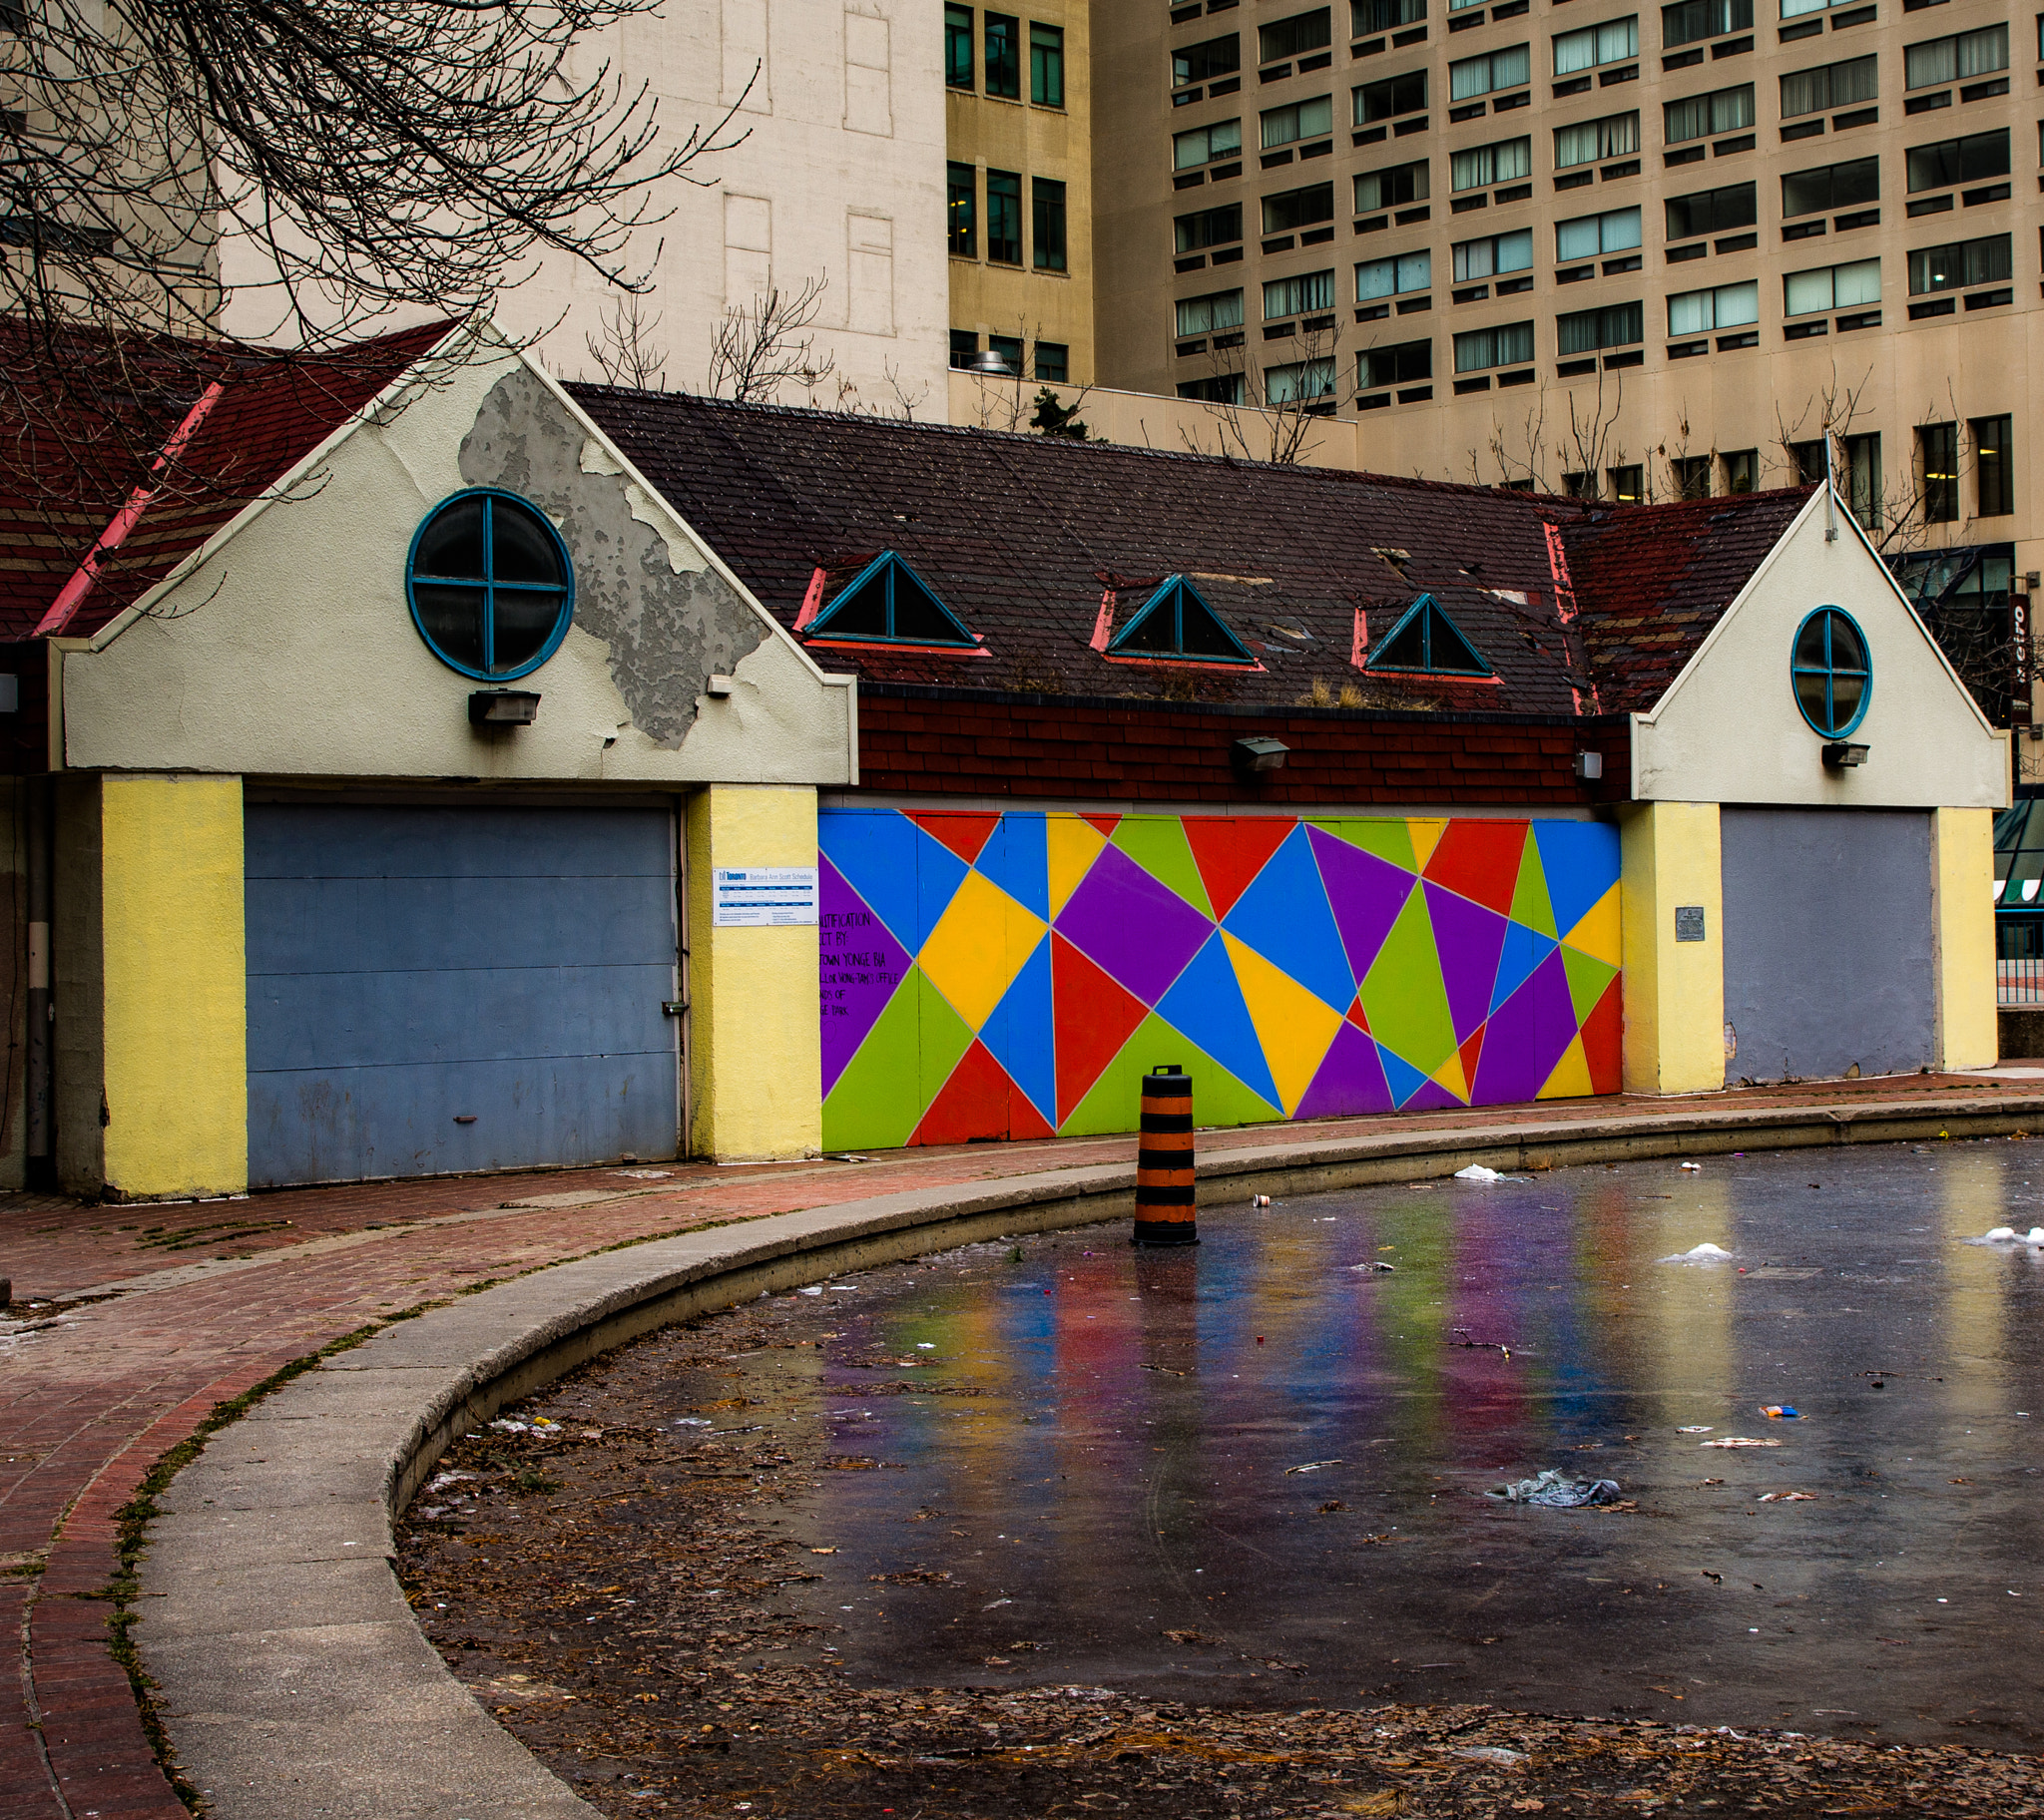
(1013,975)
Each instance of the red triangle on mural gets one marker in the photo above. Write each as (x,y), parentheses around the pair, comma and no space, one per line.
(1092,1013)
(973,1102)
(1229,853)
(1105,824)
(1472,1047)
(1480,860)
(1357,1016)
(1604,1041)
(963,834)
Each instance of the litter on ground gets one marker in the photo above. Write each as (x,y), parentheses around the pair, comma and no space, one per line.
(1706,1253)
(1741,1441)
(1781,1412)
(1699,1427)
(1556,1491)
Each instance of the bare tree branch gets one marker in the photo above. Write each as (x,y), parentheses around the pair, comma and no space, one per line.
(759,347)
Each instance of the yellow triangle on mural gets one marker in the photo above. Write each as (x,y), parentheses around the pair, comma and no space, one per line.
(1073,845)
(1426,835)
(1449,1075)
(978,947)
(1294,1026)
(1571,1076)
(1596,934)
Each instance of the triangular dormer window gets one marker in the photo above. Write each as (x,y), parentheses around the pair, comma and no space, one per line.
(1176,622)
(1427,642)
(887,603)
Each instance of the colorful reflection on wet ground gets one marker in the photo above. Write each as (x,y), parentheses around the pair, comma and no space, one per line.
(1255,1469)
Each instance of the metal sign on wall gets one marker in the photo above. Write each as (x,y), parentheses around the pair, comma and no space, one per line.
(763,897)
(2021,661)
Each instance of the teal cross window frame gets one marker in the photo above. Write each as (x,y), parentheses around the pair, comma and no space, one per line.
(1831,671)
(490,584)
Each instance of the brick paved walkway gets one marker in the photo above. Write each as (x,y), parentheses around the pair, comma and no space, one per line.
(188,1311)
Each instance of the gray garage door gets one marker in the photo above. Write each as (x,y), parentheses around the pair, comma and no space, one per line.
(1827,957)
(445,989)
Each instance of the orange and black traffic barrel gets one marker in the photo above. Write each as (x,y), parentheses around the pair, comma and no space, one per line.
(1163,1162)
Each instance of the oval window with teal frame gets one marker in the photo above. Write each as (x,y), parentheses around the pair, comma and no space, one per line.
(1831,672)
(490,584)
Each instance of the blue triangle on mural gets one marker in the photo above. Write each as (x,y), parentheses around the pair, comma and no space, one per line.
(1206,1002)
(874,852)
(1579,860)
(1020,1035)
(1399,1076)
(1016,858)
(1284,917)
(1524,950)
(939,874)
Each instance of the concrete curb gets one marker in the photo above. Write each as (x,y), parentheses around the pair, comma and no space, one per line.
(293,1681)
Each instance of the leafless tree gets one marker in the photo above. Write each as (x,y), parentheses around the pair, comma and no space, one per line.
(625,354)
(760,346)
(1592,434)
(1262,421)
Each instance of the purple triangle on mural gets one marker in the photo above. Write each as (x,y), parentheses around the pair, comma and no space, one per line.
(858,966)
(1367,892)
(1433,1097)
(1140,931)
(1351,1080)
(1469,939)
(1526,1037)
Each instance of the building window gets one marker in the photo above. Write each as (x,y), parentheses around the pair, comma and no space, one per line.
(1310,291)
(1831,186)
(1832,85)
(1511,68)
(1394,275)
(1957,161)
(1005,56)
(1004,217)
(1299,36)
(1391,189)
(964,347)
(1008,349)
(1862,485)
(1301,120)
(490,584)
(1963,264)
(1390,98)
(1713,210)
(1508,344)
(1691,476)
(1824,288)
(1205,145)
(1047,201)
(1290,208)
(1590,142)
(1425,639)
(1404,363)
(958,47)
(1493,257)
(1829,671)
(1219,310)
(960,214)
(1215,388)
(1590,236)
(1299,382)
(1706,115)
(1694,20)
(1616,42)
(889,603)
(1176,622)
(1993,464)
(1201,62)
(1937,447)
(1956,58)
(1367,16)
(1740,468)
(1505,161)
(1807,460)
(1209,228)
(1699,312)
(1047,65)
(1584,331)
(1627,483)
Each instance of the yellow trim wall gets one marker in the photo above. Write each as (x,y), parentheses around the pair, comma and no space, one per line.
(176,1002)
(754,1050)
(1674,991)
(1962,937)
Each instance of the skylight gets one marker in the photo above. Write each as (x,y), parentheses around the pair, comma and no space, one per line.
(887,603)
(1177,623)
(1426,641)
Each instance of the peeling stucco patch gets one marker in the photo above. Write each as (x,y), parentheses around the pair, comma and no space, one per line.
(669,621)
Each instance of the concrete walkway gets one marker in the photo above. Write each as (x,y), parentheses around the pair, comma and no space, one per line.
(153,1317)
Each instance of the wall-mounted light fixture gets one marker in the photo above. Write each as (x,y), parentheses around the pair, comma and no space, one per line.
(1840,755)
(1590,766)
(1252,757)
(503,707)
(719,686)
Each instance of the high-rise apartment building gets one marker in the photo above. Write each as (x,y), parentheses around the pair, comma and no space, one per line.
(1637,252)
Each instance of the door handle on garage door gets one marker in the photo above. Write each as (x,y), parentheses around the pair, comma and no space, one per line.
(674,1007)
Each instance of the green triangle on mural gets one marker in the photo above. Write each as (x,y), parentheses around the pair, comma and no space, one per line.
(1587,978)
(1529,900)
(1403,996)
(867,1110)
(1388,837)
(1157,844)
(945,1038)
(1114,1100)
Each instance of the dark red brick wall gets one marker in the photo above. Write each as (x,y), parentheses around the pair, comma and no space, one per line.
(932,743)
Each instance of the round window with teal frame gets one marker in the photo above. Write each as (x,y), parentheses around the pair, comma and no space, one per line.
(491,588)
(1832,674)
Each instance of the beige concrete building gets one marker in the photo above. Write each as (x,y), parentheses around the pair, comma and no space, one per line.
(1018,209)
(1588,247)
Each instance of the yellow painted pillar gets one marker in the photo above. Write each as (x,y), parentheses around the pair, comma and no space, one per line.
(176,995)
(1673,989)
(1962,937)
(755,1066)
